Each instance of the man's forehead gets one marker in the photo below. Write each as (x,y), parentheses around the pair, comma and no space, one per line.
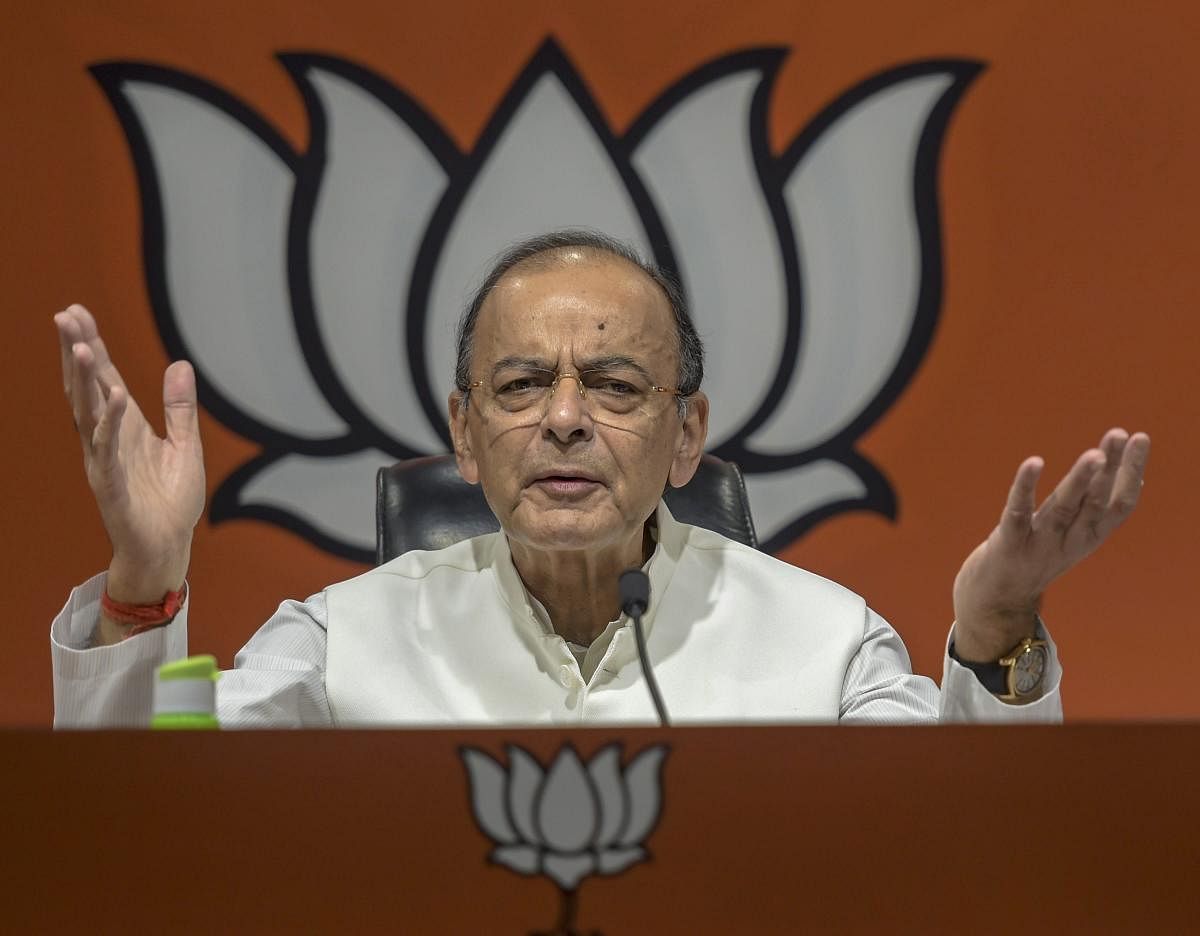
(547,292)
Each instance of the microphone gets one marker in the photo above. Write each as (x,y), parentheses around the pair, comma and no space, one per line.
(634,588)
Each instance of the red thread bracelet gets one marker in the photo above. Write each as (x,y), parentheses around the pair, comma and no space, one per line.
(144,617)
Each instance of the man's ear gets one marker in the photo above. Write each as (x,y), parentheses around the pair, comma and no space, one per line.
(459,405)
(692,439)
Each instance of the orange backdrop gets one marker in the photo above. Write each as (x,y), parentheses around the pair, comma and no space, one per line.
(1069,202)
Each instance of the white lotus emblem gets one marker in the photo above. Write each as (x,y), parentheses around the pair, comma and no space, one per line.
(316,292)
(570,821)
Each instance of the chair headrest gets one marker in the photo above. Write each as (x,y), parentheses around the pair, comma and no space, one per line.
(424,503)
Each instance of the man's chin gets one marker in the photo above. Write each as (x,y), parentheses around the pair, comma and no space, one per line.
(563,527)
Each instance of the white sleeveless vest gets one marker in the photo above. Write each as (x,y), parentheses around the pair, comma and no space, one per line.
(449,637)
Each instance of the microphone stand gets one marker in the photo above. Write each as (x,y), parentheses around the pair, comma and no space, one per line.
(634,587)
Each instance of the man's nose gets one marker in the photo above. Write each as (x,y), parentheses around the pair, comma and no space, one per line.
(568,416)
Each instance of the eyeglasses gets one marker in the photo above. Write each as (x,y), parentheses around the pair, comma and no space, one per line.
(617,390)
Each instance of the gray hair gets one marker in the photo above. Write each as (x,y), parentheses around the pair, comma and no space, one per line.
(691,349)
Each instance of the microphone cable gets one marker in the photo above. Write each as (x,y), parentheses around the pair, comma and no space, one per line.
(634,589)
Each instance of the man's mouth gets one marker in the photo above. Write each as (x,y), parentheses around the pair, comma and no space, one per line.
(566,486)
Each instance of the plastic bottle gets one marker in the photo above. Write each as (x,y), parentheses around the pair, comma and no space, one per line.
(185,694)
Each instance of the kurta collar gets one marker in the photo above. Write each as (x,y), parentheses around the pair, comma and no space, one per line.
(672,537)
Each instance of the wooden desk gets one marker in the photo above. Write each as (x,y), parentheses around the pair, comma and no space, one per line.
(1090,829)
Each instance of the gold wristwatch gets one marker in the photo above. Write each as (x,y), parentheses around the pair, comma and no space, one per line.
(1017,676)
(1025,666)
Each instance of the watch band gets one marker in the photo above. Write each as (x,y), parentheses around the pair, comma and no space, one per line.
(992,676)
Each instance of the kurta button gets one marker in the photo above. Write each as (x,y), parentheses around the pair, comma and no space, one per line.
(565,676)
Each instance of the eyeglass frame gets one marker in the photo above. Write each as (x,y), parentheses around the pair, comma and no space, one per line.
(579,385)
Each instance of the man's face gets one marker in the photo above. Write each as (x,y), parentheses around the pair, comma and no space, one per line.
(566,472)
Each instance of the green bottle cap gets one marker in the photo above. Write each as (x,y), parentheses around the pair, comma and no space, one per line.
(203,666)
(185,694)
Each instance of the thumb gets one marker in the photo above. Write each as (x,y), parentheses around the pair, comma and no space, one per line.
(179,404)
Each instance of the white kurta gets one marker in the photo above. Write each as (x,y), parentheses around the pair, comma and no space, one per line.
(452,638)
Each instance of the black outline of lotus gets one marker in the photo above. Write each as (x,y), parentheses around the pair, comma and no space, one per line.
(362,434)
(569,821)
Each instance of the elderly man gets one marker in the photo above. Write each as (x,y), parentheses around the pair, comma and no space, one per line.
(577,402)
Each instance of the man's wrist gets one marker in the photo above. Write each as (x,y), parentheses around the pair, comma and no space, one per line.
(141,584)
(121,620)
(1017,676)
(986,638)
(137,584)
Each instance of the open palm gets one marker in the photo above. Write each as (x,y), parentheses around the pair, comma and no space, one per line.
(999,587)
(150,490)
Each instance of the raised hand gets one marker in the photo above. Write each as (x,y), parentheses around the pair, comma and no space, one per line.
(150,490)
(999,588)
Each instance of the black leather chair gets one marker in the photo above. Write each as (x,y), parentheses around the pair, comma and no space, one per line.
(423,503)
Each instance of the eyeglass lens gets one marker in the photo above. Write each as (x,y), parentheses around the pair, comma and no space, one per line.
(615,390)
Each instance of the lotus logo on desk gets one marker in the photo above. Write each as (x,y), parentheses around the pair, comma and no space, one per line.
(570,821)
(316,290)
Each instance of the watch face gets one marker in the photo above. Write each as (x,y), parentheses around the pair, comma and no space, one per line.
(1028,670)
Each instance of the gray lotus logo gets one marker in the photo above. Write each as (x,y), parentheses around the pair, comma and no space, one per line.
(570,821)
(316,289)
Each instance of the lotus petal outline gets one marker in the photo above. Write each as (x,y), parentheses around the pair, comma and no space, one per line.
(572,820)
(315,290)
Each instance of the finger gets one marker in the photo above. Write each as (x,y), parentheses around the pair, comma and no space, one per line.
(106,439)
(85,393)
(68,337)
(87,322)
(179,404)
(1062,507)
(1022,499)
(106,371)
(1127,489)
(89,332)
(1095,504)
(1113,446)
